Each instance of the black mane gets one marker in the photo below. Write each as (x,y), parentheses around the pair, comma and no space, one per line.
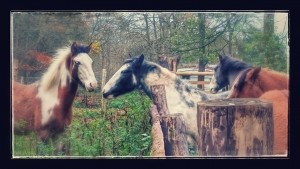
(230,63)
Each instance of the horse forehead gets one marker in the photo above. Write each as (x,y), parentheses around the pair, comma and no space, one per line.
(124,67)
(83,57)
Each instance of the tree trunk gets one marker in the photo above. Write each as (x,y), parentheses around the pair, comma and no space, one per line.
(268,23)
(154,27)
(230,32)
(235,127)
(147,35)
(268,32)
(201,64)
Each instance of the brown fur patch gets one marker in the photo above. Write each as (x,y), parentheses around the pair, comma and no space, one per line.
(280,116)
(259,81)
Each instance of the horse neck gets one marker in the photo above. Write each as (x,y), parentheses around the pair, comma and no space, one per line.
(270,80)
(177,91)
(57,90)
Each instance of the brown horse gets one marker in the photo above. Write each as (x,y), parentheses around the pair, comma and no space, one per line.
(280,116)
(270,85)
(256,81)
(46,106)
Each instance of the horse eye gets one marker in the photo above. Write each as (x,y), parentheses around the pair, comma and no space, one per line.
(76,62)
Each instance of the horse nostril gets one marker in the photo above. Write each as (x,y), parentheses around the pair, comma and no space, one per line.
(105,95)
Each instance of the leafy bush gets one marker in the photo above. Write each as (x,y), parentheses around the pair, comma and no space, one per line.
(123,130)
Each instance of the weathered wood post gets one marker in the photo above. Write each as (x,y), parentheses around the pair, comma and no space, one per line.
(235,127)
(103,102)
(173,129)
(172,125)
(158,147)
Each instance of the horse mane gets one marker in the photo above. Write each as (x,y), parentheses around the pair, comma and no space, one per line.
(230,63)
(56,69)
(255,74)
(241,81)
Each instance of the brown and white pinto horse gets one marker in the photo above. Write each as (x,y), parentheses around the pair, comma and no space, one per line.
(46,106)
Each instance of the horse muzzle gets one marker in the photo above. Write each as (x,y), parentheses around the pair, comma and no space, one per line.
(213,90)
(91,86)
(107,95)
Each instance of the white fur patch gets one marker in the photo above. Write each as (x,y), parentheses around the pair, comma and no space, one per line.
(174,100)
(58,73)
(113,80)
(48,90)
(85,71)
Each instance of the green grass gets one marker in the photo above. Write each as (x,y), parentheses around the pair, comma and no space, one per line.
(123,130)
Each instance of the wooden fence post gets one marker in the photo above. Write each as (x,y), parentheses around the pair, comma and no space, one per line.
(172,125)
(175,140)
(158,147)
(159,99)
(235,127)
(103,101)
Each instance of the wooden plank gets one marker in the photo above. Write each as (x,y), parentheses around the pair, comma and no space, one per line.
(195,73)
(199,82)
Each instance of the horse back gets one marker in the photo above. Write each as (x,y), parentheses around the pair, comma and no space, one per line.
(24,106)
(274,80)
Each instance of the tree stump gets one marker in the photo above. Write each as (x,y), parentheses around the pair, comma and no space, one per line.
(173,129)
(157,148)
(159,99)
(172,125)
(235,127)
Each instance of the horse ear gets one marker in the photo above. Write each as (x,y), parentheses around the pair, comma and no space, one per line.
(220,58)
(255,73)
(140,60)
(74,48)
(88,48)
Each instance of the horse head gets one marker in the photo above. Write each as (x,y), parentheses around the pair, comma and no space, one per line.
(126,79)
(81,66)
(227,71)
(247,85)
(220,78)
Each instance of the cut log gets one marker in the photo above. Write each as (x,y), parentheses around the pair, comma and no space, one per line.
(235,127)
(159,99)
(158,148)
(174,131)
(172,125)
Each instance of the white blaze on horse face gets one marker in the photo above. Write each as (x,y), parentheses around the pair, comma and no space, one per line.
(114,79)
(85,71)
(213,84)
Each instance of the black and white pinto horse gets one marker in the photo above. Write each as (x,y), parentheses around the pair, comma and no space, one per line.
(137,73)
(227,72)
